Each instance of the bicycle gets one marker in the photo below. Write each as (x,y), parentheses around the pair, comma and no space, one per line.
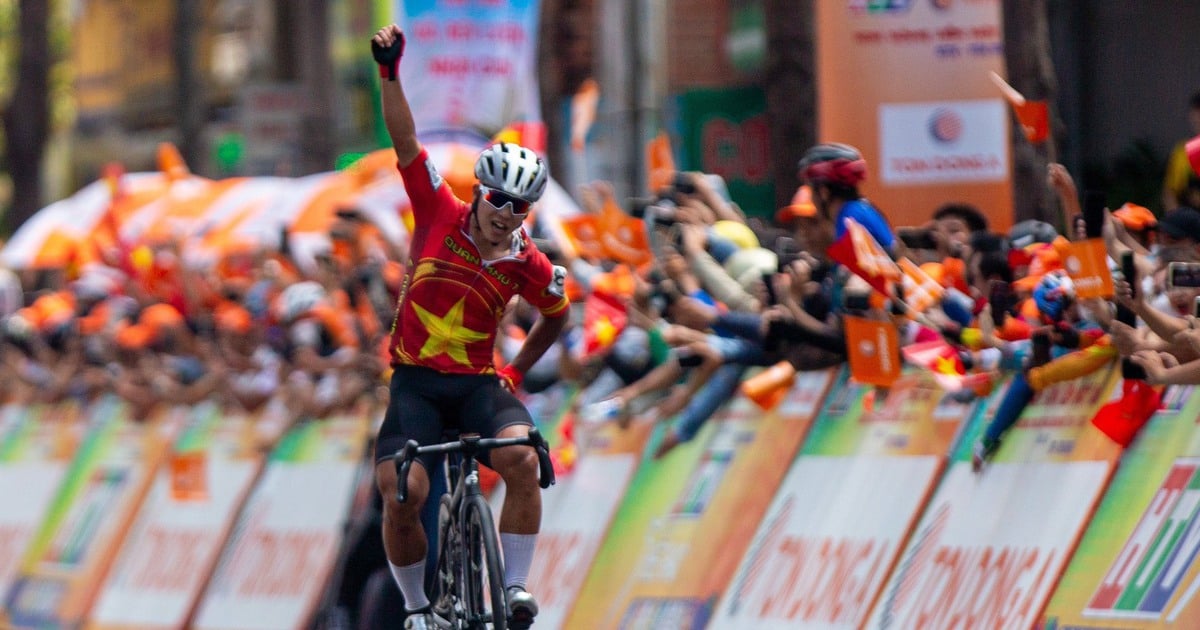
(467,542)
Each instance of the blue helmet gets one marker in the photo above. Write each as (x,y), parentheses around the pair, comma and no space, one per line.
(1054,294)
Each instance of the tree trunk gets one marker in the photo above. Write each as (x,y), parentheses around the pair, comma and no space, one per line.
(790,89)
(189,86)
(317,145)
(1031,72)
(27,119)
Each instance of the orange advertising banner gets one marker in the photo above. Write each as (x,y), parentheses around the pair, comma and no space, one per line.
(909,83)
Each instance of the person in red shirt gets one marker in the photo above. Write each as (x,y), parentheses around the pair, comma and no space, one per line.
(466,262)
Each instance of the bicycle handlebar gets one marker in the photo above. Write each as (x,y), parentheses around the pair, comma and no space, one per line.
(472,445)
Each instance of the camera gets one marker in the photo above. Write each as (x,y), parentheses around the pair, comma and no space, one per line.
(918,239)
(684,184)
(1183,275)
(856,302)
(660,210)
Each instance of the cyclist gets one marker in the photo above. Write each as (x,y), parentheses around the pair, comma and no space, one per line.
(834,171)
(466,262)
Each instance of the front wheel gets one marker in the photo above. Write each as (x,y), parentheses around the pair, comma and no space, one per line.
(449,568)
(483,552)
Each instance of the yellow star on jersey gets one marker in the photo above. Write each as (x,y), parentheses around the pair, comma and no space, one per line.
(447,335)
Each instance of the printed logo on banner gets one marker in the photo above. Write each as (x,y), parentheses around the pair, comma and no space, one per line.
(34,602)
(945,141)
(663,612)
(71,541)
(1148,572)
(875,7)
(805,398)
(729,437)
(945,125)
(1174,397)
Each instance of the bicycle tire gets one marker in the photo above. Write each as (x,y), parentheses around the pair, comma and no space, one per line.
(449,574)
(483,548)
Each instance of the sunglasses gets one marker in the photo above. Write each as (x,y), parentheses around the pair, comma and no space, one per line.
(501,201)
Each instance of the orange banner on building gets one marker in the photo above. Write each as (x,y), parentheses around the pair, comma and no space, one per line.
(908,83)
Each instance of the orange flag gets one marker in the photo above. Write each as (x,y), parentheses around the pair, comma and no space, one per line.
(874,347)
(1087,264)
(862,254)
(1034,116)
(660,162)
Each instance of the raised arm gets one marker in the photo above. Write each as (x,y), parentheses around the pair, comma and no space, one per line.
(388,47)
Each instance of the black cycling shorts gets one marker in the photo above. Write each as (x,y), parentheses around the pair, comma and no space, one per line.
(425,404)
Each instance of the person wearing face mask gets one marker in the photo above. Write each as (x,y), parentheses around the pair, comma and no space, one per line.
(466,262)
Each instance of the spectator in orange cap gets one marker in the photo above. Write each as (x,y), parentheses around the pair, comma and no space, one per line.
(254,368)
(1135,227)
(132,372)
(801,218)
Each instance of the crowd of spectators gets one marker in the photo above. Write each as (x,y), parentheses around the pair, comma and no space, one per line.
(722,294)
(252,332)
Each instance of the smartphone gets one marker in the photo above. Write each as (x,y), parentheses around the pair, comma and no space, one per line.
(768,281)
(1093,213)
(1132,371)
(1000,297)
(857,302)
(1126,315)
(918,239)
(1183,275)
(1041,348)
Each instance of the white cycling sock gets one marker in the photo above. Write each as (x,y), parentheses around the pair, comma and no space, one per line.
(518,555)
(411,580)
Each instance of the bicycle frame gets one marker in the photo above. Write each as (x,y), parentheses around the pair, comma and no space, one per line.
(467,539)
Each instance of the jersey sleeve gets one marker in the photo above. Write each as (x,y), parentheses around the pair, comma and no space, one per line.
(545,287)
(427,191)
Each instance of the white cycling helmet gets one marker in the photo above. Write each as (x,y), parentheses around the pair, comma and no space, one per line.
(297,300)
(513,169)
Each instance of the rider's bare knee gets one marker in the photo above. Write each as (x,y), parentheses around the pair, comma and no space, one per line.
(517,465)
(418,491)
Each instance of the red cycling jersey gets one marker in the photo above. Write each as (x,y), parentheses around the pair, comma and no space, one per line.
(452,300)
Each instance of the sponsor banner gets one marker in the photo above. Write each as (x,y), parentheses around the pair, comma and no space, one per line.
(659,566)
(725,132)
(908,82)
(578,509)
(1136,564)
(838,525)
(1056,425)
(36,446)
(943,142)
(990,547)
(827,543)
(470,64)
(914,417)
(95,504)
(173,546)
(278,560)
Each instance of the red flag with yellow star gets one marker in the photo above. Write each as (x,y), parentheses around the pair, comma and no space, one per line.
(604,319)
